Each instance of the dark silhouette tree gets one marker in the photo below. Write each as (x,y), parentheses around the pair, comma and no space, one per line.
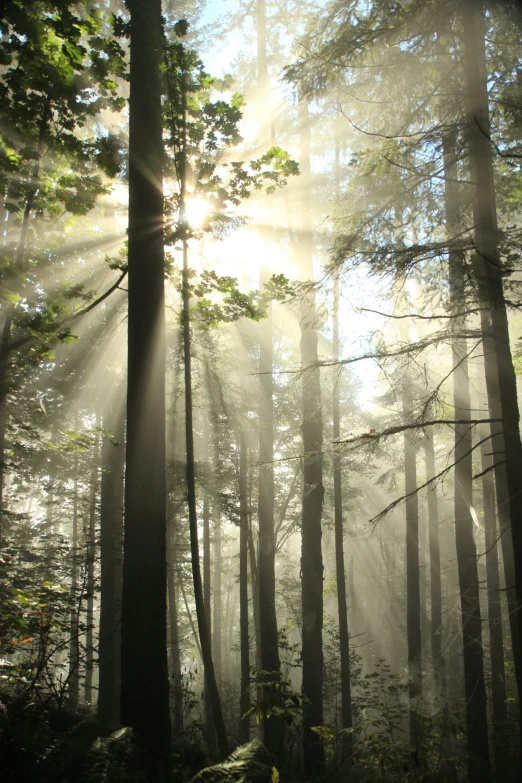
(144,604)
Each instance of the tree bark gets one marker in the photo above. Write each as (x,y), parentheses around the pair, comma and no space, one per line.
(496,643)
(207,578)
(175,652)
(203,628)
(111,559)
(413,606)
(342,608)
(255,590)
(435,575)
(270,662)
(144,667)
(474,686)
(313,489)
(217,624)
(268,632)
(90,550)
(74,643)
(500,374)
(244,701)
(203,625)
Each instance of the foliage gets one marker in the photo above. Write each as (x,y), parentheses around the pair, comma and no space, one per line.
(218,298)
(61,67)
(43,742)
(246,763)
(197,139)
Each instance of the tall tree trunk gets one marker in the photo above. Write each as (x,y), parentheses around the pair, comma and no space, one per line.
(111,559)
(175,651)
(496,643)
(244,701)
(313,489)
(90,547)
(435,575)
(74,643)
(496,447)
(144,666)
(203,626)
(268,633)
(423,585)
(255,589)
(342,608)
(217,623)
(413,606)
(266,553)
(475,691)
(215,512)
(207,577)
(500,374)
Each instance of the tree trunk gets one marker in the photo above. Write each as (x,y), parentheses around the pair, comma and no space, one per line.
(255,589)
(413,606)
(244,701)
(313,489)
(90,541)
(475,692)
(144,667)
(342,608)
(496,645)
(435,575)
(217,624)
(207,583)
(203,625)
(268,632)
(500,374)
(203,628)
(175,652)
(111,559)
(266,553)
(74,643)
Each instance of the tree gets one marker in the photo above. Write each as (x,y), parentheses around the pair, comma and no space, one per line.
(143,619)
(244,702)
(476,717)
(413,604)
(344,639)
(313,489)
(436,628)
(500,374)
(111,542)
(197,135)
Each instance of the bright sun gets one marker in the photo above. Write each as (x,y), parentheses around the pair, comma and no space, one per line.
(197,210)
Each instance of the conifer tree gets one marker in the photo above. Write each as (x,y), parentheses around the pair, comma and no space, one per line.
(144,609)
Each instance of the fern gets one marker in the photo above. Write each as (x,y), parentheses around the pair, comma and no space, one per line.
(246,763)
(109,756)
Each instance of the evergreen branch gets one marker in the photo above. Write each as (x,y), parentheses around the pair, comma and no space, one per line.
(69,318)
(388,137)
(495,145)
(415,426)
(423,317)
(389,508)
(487,470)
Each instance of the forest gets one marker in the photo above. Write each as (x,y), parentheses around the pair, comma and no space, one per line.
(260,450)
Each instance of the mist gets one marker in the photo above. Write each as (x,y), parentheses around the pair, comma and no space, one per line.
(260,452)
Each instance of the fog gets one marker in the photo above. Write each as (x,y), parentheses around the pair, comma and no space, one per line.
(259,428)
